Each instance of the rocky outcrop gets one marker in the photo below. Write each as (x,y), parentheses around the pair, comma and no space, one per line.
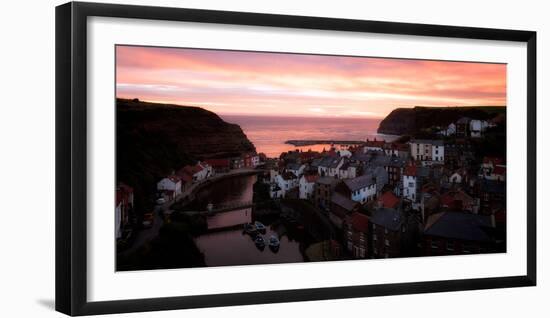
(155,139)
(410,121)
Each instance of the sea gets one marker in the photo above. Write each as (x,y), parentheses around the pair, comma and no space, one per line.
(269,133)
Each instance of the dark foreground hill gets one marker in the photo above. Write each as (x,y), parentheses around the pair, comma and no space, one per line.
(410,121)
(153,139)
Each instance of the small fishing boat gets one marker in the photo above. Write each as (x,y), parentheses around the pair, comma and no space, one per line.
(260,227)
(259,241)
(249,228)
(274,241)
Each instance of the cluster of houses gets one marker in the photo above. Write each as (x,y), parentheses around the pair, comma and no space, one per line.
(470,127)
(401,199)
(171,186)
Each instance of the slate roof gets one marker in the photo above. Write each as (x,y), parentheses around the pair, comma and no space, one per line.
(316,162)
(326,161)
(335,162)
(359,182)
(428,141)
(362,157)
(343,201)
(380,161)
(459,225)
(388,218)
(396,162)
(293,166)
(327,180)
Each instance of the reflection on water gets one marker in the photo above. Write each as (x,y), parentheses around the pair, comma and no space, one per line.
(269,133)
(230,218)
(234,247)
(227,191)
(227,244)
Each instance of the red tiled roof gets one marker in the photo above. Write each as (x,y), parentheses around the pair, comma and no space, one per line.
(359,221)
(493,160)
(311,178)
(218,163)
(191,170)
(410,171)
(455,199)
(389,200)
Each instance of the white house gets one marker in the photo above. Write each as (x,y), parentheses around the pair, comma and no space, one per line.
(374,145)
(198,172)
(362,189)
(478,127)
(334,167)
(344,153)
(348,170)
(171,186)
(275,191)
(451,129)
(409,183)
(307,186)
(287,181)
(255,160)
(432,151)
(456,178)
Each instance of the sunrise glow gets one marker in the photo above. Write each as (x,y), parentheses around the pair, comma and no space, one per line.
(237,82)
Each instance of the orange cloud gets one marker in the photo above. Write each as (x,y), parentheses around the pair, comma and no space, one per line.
(302,85)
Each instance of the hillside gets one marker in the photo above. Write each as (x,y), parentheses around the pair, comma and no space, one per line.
(155,139)
(409,121)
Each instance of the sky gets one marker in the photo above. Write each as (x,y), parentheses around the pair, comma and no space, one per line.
(258,83)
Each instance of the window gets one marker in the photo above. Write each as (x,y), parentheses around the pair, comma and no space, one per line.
(466,248)
(385,231)
(411,184)
(386,242)
(435,244)
(375,237)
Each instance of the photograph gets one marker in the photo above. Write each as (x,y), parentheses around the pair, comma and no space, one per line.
(230,158)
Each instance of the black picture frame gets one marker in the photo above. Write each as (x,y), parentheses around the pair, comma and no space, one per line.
(71,157)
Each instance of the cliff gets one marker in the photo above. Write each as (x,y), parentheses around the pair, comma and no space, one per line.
(410,121)
(154,139)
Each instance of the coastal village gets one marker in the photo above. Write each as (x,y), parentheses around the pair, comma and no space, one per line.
(373,199)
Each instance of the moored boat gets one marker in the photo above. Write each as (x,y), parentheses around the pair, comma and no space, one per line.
(260,227)
(274,241)
(259,241)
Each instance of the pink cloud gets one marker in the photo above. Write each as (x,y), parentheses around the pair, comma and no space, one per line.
(296,84)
